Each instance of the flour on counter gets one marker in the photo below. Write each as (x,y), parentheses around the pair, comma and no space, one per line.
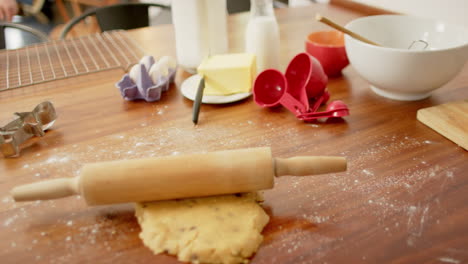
(7,199)
(315,218)
(57,159)
(449,260)
(10,220)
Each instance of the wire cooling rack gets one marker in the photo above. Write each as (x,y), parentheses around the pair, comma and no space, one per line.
(61,59)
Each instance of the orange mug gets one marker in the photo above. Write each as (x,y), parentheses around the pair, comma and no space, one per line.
(328,48)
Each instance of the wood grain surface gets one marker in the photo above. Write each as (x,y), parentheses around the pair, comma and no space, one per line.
(403,199)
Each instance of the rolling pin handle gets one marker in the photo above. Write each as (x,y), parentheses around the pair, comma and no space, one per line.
(46,190)
(312,165)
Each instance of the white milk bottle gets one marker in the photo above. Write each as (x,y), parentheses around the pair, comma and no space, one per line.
(200,30)
(262,35)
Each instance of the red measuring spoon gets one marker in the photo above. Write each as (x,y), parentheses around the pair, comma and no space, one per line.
(318,80)
(319,100)
(271,89)
(334,109)
(304,79)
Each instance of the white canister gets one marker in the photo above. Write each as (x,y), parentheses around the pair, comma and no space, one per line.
(200,30)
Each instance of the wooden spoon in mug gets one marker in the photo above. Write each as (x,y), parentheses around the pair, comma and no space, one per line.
(332,24)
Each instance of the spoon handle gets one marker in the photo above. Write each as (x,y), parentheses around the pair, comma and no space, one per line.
(332,24)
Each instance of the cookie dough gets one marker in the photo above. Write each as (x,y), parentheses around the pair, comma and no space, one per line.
(216,229)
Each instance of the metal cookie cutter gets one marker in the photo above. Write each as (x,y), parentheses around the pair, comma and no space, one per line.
(27,125)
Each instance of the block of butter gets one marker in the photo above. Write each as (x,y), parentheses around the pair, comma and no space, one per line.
(228,73)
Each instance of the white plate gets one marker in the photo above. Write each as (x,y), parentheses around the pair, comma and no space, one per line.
(190,86)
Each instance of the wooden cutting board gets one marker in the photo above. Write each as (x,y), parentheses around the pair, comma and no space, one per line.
(449,120)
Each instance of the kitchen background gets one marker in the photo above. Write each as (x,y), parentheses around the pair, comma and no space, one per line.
(452,11)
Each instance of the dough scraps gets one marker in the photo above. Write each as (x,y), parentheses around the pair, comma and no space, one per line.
(215,229)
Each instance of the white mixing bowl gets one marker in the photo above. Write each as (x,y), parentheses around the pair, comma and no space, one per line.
(397,71)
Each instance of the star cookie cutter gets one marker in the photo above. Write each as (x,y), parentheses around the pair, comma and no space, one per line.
(26,126)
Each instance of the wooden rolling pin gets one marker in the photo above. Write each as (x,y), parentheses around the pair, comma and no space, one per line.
(181,176)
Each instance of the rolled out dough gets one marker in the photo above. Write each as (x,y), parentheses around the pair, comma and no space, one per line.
(216,229)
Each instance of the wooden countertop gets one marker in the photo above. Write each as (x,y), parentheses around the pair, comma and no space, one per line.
(403,199)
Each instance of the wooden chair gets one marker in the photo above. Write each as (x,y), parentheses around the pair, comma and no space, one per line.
(118,16)
(236,6)
(76,6)
(35,10)
(28,35)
